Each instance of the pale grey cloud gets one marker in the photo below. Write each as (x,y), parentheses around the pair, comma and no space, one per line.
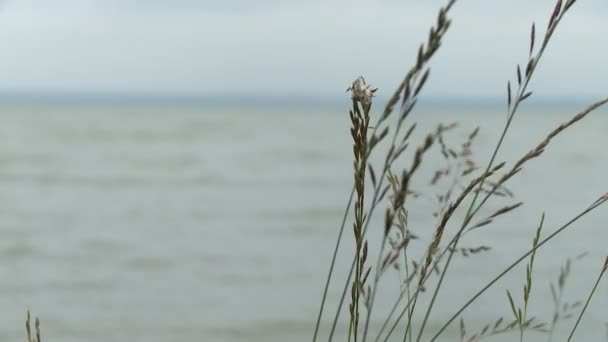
(271,46)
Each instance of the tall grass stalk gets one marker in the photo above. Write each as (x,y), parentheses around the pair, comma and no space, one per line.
(488,182)
(407,91)
(578,320)
(601,200)
(333,263)
(535,152)
(521,95)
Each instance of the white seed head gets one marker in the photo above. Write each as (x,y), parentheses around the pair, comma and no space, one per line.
(361,92)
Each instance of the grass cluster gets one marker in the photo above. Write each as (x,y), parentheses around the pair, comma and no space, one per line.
(32,335)
(387,187)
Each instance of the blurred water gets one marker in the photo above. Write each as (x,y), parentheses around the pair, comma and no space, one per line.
(181,224)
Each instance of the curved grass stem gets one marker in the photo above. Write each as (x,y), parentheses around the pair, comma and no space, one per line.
(593,206)
(521,95)
(333,263)
(578,320)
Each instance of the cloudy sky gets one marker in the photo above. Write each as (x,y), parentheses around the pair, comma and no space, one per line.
(198,47)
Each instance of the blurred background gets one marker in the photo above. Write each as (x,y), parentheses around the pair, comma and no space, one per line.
(177,170)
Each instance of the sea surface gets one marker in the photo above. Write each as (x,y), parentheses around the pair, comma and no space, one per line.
(169,223)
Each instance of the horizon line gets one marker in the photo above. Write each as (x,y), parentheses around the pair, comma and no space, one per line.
(236,99)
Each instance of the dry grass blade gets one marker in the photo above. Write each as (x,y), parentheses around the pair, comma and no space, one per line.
(539,149)
(532,39)
(498,328)
(425,76)
(372,174)
(599,278)
(497,213)
(467,251)
(509,93)
(424,55)
(446,217)
(518,75)
(556,12)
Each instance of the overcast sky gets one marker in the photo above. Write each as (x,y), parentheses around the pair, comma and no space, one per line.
(289,46)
